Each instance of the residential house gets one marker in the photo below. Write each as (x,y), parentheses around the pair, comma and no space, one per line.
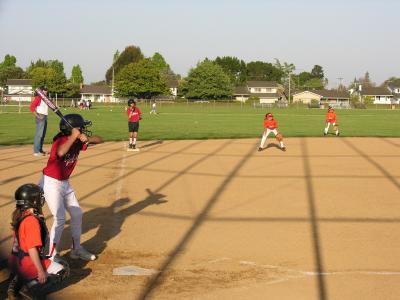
(380,95)
(97,93)
(19,90)
(394,88)
(173,84)
(330,97)
(267,91)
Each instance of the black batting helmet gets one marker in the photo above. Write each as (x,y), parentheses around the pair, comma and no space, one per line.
(131,101)
(77,121)
(29,196)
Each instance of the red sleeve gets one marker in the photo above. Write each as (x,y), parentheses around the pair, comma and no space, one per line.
(29,233)
(35,103)
(127,111)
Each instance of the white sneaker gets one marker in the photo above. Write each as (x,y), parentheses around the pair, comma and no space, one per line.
(82,253)
(38,154)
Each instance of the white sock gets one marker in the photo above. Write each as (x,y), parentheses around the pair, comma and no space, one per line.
(282,145)
(134,141)
(130,141)
(326,130)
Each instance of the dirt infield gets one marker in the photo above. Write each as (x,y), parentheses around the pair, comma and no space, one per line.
(220,220)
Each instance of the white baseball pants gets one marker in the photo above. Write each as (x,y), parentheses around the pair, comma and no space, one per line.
(59,197)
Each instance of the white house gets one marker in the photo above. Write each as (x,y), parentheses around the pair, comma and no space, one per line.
(380,95)
(19,90)
(341,98)
(266,91)
(173,84)
(394,88)
(97,93)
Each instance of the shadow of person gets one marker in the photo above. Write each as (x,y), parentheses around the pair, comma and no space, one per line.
(273,145)
(108,221)
(159,142)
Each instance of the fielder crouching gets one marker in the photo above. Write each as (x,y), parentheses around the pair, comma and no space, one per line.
(270,125)
(33,274)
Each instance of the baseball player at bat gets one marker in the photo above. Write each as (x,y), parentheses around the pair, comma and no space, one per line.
(331,119)
(270,125)
(59,194)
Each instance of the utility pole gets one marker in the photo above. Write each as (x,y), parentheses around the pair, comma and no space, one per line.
(289,87)
(339,84)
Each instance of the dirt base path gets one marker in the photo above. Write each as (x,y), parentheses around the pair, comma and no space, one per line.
(219,220)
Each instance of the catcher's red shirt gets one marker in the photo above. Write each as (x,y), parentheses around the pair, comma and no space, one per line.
(29,237)
(133,114)
(330,117)
(270,124)
(61,167)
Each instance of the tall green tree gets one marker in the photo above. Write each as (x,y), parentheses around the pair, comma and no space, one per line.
(49,73)
(141,79)
(234,68)
(76,75)
(287,70)
(207,81)
(160,63)
(317,72)
(259,70)
(131,54)
(9,70)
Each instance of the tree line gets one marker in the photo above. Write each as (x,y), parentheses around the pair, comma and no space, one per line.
(133,74)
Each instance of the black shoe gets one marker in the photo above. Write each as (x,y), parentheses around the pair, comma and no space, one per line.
(260,149)
(337,134)
(133,146)
(130,146)
(325,133)
(14,287)
(283,148)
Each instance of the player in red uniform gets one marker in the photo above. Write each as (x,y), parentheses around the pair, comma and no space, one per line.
(134,116)
(331,119)
(270,125)
(30,268)
(55,182)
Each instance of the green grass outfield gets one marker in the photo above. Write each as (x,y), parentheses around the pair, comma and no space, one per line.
(203,121)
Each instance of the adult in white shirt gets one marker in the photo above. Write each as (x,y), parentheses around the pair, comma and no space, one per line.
(40,111)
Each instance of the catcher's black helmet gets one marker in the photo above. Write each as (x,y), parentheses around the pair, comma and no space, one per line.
(29,196)
(131,101)
(77,121)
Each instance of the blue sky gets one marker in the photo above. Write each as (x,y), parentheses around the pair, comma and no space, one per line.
(347,38)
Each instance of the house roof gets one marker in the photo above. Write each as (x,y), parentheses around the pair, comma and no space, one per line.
(266,95)
(96,89)
(327,93)
(19,82)
(241,90)
(172,83)
(375,91)
(263,84)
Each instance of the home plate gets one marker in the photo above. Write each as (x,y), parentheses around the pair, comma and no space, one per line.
(133,271)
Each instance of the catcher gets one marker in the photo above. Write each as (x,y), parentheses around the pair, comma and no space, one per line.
(331,119)
(271,125)
(33,274)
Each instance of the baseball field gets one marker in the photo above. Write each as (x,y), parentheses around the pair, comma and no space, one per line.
(198,213)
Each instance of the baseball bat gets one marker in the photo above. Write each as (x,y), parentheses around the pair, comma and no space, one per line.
(52,106)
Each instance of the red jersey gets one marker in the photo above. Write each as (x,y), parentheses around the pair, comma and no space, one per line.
(29,237)
(133,114)
(61,167)
(270,124)
(330,117)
